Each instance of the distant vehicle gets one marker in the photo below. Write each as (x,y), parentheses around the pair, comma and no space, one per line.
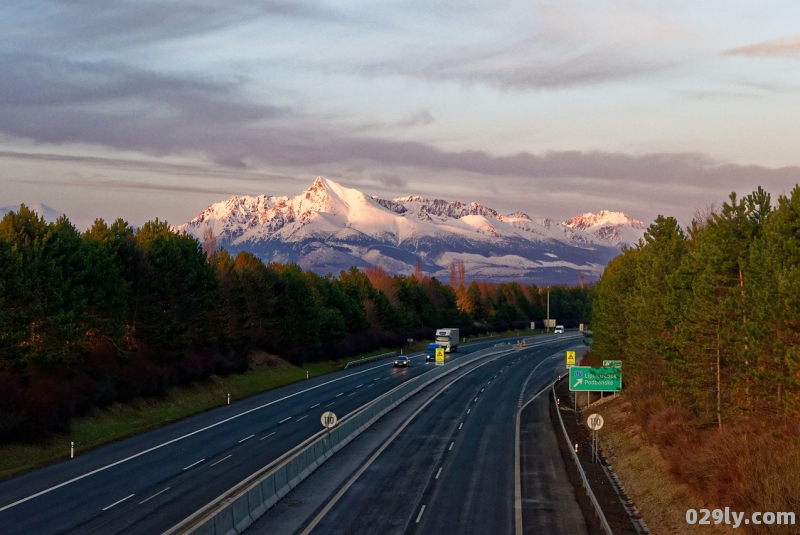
(447,338)
(430,353)
(559,329)
(401,361)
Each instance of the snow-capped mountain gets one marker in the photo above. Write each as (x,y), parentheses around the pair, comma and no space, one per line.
(329,227)
(613,228)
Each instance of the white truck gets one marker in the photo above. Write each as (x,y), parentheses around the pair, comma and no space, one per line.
(448,338)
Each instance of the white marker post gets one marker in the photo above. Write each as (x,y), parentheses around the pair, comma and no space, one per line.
(229,398)
(71,450)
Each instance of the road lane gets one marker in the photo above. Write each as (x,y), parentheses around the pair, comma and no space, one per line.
(455,459)
(151,462)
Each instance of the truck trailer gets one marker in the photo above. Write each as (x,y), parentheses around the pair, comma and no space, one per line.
(448,338)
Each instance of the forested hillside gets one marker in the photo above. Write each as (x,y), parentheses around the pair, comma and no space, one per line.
(707,324)
(118,313)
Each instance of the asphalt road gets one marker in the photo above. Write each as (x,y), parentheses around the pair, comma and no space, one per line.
(148,483)
(451,469)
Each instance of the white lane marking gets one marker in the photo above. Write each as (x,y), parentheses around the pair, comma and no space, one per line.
(246,438)
(377,378)
(285,420)
(468,410)
(317,405)
(216,463)
(337,395)
(451,445)
(306,416)
(310,527)
(353,394)
(328,405)
(419,516)
(476,399)
(115,503)
(438,472)
(154,495)
(461,425)
(386,378)
(359,386)
(193,464)
(482,389)
(260,439)
(167,443)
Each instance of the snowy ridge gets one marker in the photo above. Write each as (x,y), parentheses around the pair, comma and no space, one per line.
(330,227)
(613,228)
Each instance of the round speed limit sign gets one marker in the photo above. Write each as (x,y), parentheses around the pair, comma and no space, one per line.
(595,422)
(328,419)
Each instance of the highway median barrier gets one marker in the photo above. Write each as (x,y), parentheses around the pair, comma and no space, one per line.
(235,510)
(367,360)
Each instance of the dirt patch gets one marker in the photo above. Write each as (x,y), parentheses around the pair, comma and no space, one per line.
(661,500)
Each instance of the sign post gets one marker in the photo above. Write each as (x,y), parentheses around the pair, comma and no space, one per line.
(570,358)
(440,356)
(329,421)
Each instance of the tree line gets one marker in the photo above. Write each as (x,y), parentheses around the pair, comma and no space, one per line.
(709,316)
(116,313)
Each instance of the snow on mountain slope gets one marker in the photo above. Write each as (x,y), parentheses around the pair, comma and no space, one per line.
(330,227)
(613,228)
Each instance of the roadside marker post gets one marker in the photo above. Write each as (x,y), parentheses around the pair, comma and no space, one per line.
(71,450)
(229,398)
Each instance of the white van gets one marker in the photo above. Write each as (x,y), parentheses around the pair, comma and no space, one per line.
(559,329)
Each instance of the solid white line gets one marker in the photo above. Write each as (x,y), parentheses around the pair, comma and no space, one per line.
(126,459)
(154,495)
(437,473)
(310,527)
(337,395)
(260,439)
(198,462)
(216,463)
(115,503)
(461,425)
(451,445)
(419,516)
(306,416)
(248,438)
(285,420)
(317,405)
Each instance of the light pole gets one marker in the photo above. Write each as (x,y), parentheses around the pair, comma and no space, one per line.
(547,326)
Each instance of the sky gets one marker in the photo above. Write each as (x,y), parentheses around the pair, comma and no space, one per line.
(143,109)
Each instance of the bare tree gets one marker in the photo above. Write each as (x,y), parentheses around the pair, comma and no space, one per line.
(582,279)
(209,242)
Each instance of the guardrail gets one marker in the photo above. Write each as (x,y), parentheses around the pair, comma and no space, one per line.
(239,507)
(586,486)
(367,360)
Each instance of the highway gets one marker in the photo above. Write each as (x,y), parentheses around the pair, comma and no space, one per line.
(150,482)
(450,468)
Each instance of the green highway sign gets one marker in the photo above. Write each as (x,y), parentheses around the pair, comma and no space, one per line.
(587,379)
(612,364)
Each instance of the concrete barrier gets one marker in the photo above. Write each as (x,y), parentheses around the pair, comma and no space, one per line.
(246,502)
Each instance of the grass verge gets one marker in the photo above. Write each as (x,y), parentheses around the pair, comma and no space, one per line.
(122,420)
(660,498)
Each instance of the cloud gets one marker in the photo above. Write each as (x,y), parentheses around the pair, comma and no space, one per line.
(92,23)
(419,118)
(785,47)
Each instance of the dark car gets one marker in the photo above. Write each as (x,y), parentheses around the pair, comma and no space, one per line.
(401,361)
